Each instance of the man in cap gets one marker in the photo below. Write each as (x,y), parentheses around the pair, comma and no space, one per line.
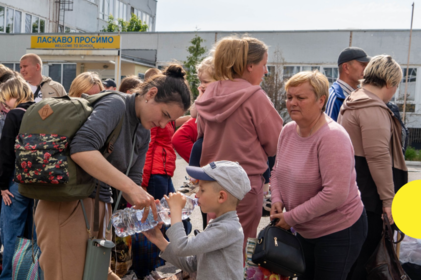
(351,63)
(109,85)
(217,252)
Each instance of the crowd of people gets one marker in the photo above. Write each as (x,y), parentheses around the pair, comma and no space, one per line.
(338,163)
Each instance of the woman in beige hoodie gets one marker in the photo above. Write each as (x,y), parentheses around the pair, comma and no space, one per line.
(375,135)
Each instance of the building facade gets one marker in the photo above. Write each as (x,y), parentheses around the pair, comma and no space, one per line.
(71,16)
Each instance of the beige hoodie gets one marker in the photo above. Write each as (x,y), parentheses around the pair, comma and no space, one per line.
(51,88)
(375,135)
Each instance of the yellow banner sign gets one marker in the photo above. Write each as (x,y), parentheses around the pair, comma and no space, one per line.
(74,42)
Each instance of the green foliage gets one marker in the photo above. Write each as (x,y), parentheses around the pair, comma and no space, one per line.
(196,51)
(412,154)
(134,25)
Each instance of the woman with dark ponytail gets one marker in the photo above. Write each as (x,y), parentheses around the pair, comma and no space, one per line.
(61,228)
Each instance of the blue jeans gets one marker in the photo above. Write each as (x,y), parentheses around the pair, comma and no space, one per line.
(17,221)
(160,185)
(331,257)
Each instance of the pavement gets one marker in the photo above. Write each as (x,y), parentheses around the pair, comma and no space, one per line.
(414,173)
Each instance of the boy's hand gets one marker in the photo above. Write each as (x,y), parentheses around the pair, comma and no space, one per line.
(176,201)
(156,237)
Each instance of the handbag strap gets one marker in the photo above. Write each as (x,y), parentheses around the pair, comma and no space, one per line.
(127,174)
(96,210)
(388,232)
(33,228)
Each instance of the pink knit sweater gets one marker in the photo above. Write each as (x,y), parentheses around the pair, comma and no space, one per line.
(314,177)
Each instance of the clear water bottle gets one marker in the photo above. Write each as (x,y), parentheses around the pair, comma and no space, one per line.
(127,221)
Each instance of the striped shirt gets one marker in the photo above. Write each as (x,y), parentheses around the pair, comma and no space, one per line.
(337,94)
(347,89)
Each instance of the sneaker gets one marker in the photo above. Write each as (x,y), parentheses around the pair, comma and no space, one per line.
(189,187)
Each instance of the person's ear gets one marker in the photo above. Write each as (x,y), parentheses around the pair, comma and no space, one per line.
(150,95)
(38,67)
(322,101)
(223,196)
(250,67)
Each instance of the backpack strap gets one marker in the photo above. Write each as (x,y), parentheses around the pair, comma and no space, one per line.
(109,144)
(36,93)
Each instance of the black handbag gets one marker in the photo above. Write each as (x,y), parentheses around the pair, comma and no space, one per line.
(279,251)
(384,264)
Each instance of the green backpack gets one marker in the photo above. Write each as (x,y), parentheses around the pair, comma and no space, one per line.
(44,168)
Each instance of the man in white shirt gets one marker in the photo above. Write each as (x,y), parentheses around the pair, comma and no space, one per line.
(42,87)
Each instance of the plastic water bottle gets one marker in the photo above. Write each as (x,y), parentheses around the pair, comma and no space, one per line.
(127,221)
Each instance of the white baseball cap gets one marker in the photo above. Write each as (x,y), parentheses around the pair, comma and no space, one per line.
(228,174)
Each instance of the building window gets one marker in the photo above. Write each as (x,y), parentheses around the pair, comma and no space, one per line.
(412,78)
(2,18)
(28,23)
(10,17)
(290,71)
(332,73)
(18,22)
(63,73)
(144,17)
(271,71)
(13,66)
(106,8)
(41,26)
(35,24)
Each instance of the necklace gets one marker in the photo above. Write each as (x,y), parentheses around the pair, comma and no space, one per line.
(311,129)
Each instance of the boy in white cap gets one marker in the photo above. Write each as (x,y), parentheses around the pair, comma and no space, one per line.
(215,253)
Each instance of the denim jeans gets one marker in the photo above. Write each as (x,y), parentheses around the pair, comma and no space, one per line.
(17,221)
(160,185)
(331,257)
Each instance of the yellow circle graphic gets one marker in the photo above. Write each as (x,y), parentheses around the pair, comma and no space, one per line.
(406,209)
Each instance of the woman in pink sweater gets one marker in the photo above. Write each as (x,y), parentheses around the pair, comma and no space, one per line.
(238,121)
(314,179)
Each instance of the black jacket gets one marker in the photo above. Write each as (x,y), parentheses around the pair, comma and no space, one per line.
(7,144)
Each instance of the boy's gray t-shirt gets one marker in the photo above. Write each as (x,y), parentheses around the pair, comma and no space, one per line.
(215,253)
(105,116)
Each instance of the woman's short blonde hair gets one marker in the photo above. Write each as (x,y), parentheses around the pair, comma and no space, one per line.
(317,81)
(16,87)
(206,66)
(381,71)
(233,54)
(84,82)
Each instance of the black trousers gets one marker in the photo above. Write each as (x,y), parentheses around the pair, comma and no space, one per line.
(330,257)
(375,229)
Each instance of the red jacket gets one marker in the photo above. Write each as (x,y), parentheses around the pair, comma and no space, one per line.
(184,139)
(160,158)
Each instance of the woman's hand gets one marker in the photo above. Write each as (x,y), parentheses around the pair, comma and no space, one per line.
(276,212)
(281,223)
(142,200)
(388,212)
(5,194)
(277,207)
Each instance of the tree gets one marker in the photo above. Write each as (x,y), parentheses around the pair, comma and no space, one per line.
(196,51)
(274,85)
(134,25)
